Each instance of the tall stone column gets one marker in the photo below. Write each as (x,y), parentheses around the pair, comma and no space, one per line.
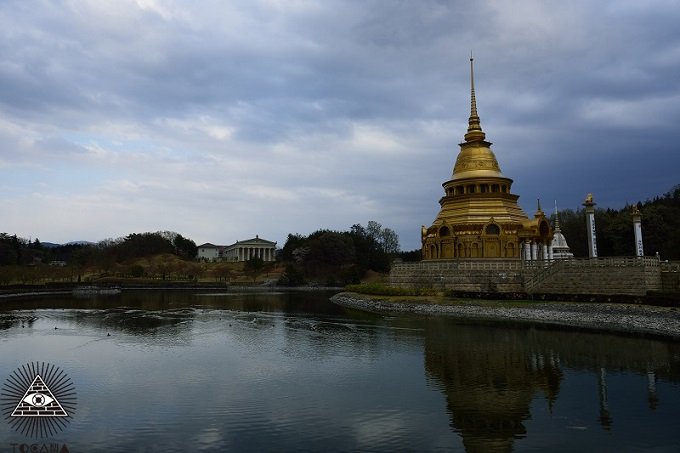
(590,221)
(637,228)
(534,250)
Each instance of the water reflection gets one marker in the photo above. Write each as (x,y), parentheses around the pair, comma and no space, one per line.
(492,375)
(291,371)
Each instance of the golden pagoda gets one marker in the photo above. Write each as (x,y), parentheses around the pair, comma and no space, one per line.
(479,216)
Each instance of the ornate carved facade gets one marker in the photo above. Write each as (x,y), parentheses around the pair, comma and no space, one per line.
(479,216)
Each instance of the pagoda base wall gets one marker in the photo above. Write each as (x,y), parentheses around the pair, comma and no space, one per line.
(600,276)
(473,276)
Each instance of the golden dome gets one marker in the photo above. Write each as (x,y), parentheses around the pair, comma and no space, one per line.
(476,160)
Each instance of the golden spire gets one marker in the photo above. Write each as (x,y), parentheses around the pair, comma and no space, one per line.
(539,211)
(474,131)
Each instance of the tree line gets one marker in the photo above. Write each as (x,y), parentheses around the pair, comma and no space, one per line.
(338,257)
(614,227)
(18,251)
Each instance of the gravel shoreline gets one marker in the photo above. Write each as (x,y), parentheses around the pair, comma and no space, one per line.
(638,319)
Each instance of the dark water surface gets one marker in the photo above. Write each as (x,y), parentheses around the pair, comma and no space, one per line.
(187,371)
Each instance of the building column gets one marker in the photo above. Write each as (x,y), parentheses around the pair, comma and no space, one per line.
(590,220)
(546,254)
(637,229)
(526,251)
(534,251)
(551,253)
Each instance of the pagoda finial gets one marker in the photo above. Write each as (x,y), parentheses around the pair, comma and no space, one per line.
(474,131)
(557,218)
(539,211)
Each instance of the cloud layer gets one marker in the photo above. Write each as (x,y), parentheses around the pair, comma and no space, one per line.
(222,120)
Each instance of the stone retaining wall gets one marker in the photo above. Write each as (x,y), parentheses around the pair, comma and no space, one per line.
(607,277)
(670,281)
(603,276)
(464,276)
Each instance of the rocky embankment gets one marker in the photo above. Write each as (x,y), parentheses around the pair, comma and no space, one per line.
(639,319)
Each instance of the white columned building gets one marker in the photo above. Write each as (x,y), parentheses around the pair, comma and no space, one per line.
(251,248)
(239,251)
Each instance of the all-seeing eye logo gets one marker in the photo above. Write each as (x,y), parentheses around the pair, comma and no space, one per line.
(38,400)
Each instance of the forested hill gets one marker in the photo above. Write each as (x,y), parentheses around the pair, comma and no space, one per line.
(615,237)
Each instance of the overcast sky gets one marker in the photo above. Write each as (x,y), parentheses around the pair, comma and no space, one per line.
(225,119)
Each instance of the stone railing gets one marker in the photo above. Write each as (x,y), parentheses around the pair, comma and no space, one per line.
(465,265)
(670,266)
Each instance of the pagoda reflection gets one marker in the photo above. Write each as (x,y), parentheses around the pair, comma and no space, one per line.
(490,377)
(493,375)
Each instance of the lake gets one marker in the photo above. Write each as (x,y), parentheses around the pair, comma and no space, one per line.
(290,371)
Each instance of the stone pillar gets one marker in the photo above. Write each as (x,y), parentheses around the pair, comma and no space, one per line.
(590,220)
(526,251)
(545,251)
(637,228)
(551,255)
(534,250)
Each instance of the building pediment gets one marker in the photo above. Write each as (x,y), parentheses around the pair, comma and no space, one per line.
(254,242)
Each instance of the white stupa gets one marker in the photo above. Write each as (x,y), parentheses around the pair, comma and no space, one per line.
(560,248)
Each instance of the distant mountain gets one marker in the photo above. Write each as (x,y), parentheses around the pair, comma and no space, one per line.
(51,245)
(79,243)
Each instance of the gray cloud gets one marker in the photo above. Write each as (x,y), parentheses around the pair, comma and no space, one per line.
(265,117)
